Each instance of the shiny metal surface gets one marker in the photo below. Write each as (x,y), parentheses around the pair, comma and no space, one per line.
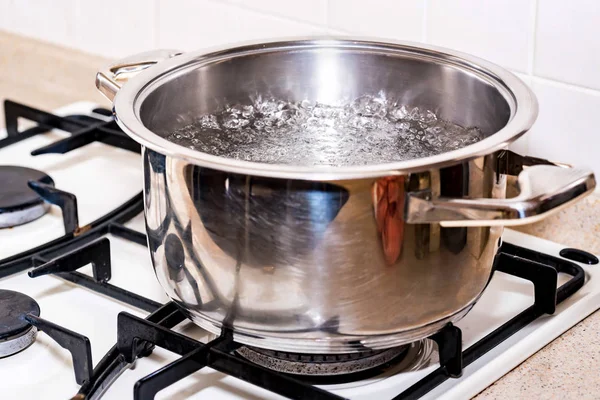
(456,86)
(315,267)
(323,260)
(19,217)
(17,343)
(543,189)
(110,79)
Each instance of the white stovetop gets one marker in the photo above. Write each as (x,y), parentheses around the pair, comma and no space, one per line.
(103,178)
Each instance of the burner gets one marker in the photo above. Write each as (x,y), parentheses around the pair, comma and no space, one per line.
(15,332)
(327,368)
(19,204)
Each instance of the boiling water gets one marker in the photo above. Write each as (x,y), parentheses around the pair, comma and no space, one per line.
(368,130)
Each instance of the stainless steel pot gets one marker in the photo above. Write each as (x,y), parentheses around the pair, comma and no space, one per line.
(331,260)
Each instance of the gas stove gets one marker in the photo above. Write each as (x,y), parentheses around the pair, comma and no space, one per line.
(82,315)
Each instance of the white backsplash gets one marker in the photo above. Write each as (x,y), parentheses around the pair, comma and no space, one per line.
(553,45)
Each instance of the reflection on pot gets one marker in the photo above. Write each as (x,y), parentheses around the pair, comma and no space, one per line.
(388,198)
(260,223)
(455,239)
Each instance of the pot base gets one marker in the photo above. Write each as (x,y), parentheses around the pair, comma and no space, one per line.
(329,343)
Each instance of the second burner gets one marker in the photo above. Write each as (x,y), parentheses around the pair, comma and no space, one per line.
(19,204)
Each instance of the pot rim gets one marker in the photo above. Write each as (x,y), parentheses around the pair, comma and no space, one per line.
(522,101)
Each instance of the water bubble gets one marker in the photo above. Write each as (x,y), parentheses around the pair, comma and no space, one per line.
(371,139)
(398,113)
(286,115)
(321,112)
(414,114)
(307,104)
(268,107)
(313,121)
(368,130)
(403,126)
(209,122)
(368,106)
(429,117)
(236,109)
(247,111)
(231,122)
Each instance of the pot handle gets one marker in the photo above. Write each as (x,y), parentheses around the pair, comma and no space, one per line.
(544,189)
(110,79)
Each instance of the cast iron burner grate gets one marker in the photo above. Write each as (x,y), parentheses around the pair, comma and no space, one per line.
(136,337)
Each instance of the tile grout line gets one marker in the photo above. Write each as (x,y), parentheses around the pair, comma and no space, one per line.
(566,85)
(532,38)
(530,73)
(263,13)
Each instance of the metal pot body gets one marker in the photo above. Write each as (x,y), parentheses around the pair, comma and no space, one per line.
(316,267)
(337,259)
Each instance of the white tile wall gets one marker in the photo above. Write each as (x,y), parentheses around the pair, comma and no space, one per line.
(194,24)
(53,21)
(396,19)
(499,31)
(568,41)
(553,45)
(115,32)
(568,127)
(312,11)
